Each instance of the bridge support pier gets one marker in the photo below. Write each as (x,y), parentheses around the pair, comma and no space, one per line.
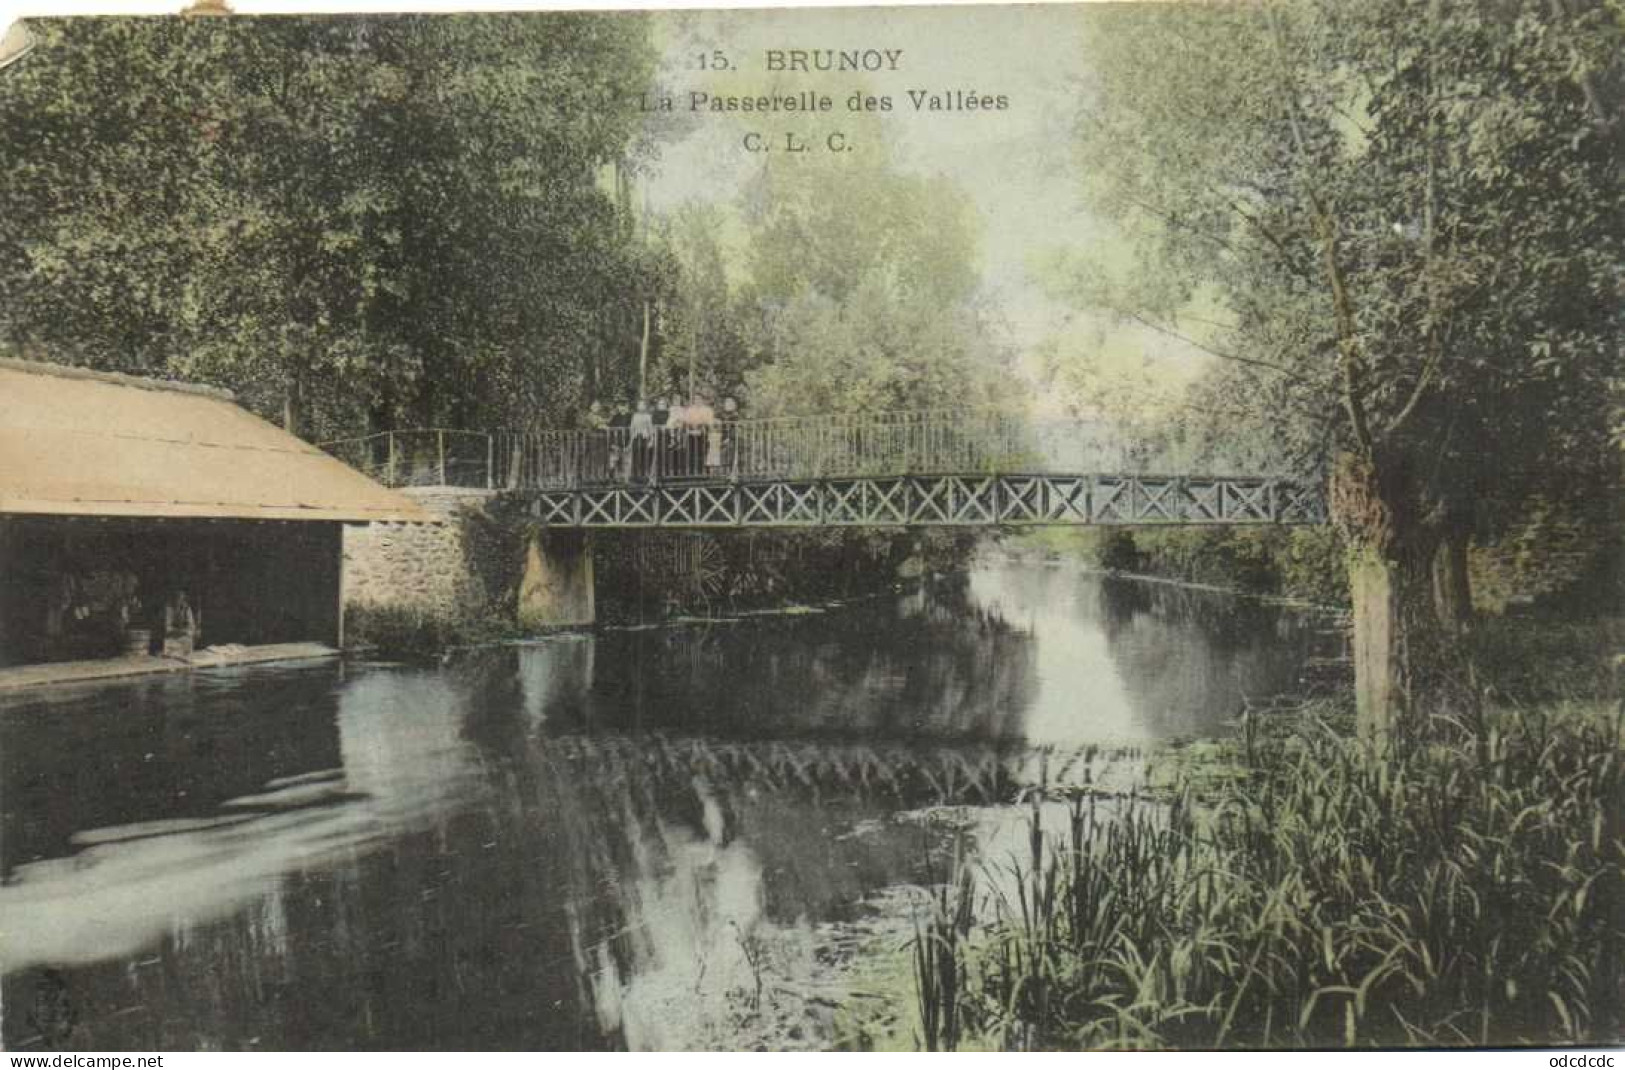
(556,588)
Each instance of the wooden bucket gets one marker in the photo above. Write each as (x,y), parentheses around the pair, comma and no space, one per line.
(137,642)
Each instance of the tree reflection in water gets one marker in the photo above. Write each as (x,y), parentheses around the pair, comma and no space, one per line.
(659,838)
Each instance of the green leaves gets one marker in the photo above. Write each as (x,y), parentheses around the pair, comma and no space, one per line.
(348,219)
(1415,208)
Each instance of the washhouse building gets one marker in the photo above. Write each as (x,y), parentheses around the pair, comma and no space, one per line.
(141,518)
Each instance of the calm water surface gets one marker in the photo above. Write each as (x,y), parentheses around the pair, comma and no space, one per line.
(677,837)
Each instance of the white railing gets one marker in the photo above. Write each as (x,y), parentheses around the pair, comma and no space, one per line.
(787,448)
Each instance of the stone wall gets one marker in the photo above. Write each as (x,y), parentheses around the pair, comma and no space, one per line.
(481,564)
(1552,556)
(557,587)
(420,567)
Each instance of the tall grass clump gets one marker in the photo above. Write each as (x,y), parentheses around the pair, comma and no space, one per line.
(1339,893)
(939,958)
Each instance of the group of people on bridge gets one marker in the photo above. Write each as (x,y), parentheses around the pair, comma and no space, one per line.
(665,439)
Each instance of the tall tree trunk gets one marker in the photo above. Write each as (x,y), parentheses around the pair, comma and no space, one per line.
(380,421)
(1452,589)
(424,412)
(293,403)
(1389,594)
(1389,556)
(643,356)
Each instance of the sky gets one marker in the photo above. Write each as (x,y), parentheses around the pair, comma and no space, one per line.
(1019,165)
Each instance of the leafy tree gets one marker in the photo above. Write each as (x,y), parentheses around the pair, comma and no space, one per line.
(703,327)
(351,220)
(863,290)
(1412,215)
(823,225)
(882,349)
(102,180)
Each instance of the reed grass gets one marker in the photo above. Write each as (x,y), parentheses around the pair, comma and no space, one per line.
(939,957)
(1337,894)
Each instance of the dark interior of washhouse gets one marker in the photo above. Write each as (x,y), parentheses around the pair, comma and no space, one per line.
(85,588)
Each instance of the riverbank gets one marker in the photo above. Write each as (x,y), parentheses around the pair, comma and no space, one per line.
(644,577)
(415,636)
(1545,564)
(1297,564)
(1086,565)
(1290,886)
(1324,893)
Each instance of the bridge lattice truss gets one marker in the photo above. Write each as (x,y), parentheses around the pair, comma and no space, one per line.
(919,773)
(950,500)
(912,469)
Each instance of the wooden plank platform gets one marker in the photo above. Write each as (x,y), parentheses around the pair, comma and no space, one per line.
(68,672)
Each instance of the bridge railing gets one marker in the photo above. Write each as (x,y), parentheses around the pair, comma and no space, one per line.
(424,458)
(877,444)
(798,447)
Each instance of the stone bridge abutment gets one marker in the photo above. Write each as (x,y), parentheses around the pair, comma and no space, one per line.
(473,560)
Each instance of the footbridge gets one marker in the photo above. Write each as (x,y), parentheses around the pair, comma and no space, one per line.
(966,469)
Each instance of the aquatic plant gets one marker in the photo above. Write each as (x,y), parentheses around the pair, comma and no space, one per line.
(1339,893)
(939,959)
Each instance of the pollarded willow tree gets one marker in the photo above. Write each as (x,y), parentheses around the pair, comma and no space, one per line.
(1412,214)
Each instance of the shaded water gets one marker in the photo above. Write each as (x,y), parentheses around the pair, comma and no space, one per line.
(677,837)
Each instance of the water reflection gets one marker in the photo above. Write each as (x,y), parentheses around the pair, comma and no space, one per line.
(1130,660)
(657,838)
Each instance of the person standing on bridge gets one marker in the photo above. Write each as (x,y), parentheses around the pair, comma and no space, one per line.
(620,452)
(730,435)
(676,446)
(595,454)
(702,425)
(661,415)
(641,431)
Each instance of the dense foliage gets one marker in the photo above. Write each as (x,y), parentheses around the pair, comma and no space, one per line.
(1412,221)
(362,223)
(1432,188)
(1327,893)
(1295,562)
(853,285)
(351,221)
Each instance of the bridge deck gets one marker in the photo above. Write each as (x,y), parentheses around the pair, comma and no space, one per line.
(960,469)
(952,500)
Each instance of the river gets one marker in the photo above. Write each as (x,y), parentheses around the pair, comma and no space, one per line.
(691,836)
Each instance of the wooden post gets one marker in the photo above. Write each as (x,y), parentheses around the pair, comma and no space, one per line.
(338,627)
(490,460)
(440,446)
(392,481)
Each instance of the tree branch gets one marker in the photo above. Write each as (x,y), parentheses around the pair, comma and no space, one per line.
(1430,190)
(1174,221)
(1279,369)
(1348,343)
(1287,258)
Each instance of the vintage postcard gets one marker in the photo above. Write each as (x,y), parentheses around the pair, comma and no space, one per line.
(1013,528)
